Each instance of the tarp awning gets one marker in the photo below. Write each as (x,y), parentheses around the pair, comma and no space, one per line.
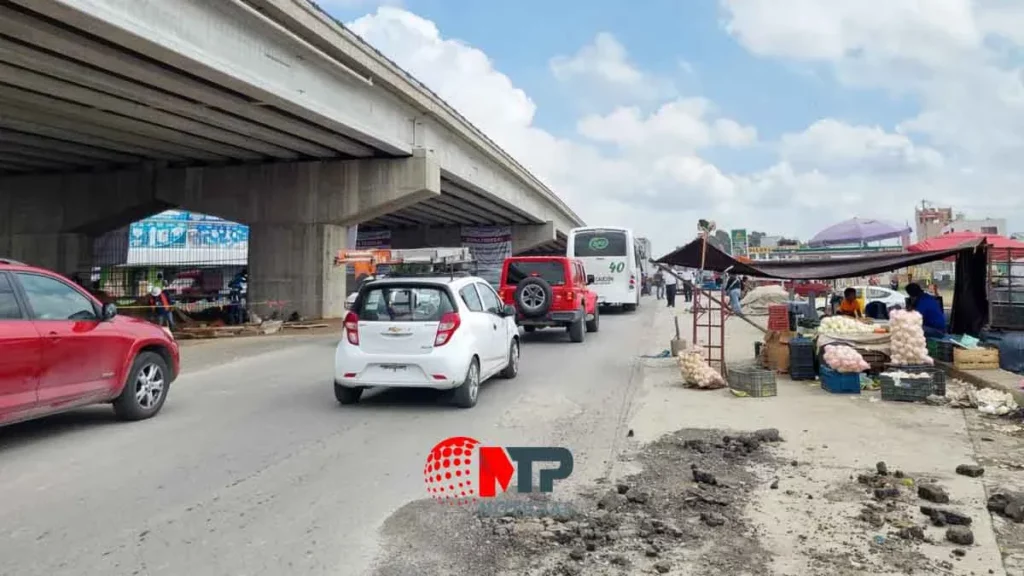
(715,260)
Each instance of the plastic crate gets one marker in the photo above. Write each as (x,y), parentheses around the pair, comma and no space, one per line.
(938,374)
(837,383)
(778,317)
(907,389)
(753,381)
(801,359)
(941,350)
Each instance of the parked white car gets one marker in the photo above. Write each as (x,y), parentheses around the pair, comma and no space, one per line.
(889,297)
(443,333)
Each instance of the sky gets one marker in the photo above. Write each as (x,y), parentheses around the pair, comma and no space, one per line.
(781,116)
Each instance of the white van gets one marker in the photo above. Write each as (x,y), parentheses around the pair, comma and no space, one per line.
(610,254)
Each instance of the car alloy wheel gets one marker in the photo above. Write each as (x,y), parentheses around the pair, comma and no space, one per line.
(149,386)
(474,381)
(533,297)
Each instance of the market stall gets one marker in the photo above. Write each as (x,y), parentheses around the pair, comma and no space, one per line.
(844,347)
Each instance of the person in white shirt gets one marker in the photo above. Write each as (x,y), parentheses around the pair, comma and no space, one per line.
(688,285)
(670,289)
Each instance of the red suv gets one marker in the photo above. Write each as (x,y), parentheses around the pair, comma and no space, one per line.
(550,291)
(60,348)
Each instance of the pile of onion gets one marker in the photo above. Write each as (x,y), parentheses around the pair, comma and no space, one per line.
(845,359)
(908,343)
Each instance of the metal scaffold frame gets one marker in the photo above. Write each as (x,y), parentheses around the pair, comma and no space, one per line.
(709,316)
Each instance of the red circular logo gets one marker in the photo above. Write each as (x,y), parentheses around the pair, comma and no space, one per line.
(448,473)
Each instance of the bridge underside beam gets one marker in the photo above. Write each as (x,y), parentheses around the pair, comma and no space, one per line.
(298,215)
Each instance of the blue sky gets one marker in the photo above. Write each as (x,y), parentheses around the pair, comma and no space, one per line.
(850,109)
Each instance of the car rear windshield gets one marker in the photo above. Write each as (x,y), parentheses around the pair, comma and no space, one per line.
(600,243)
(552,271)
(404,304)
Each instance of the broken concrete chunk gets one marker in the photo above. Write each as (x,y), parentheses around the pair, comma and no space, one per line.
(961,535)
(972,470)
(911,533)
(933,493)
(768,435)
(882,469)
(702,477)
(712,519)
(942,517)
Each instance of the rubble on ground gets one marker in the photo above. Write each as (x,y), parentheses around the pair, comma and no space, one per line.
(684,511)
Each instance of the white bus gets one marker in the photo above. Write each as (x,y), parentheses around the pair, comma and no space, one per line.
(611,255)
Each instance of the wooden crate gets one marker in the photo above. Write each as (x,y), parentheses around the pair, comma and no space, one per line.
(976,359)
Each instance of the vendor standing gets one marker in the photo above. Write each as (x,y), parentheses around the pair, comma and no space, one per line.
(850,304)
(931,311)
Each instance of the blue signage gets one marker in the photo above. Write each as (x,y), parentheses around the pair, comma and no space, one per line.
(157,235)
(183,229)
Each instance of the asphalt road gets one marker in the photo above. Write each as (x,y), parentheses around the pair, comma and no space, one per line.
(253,468)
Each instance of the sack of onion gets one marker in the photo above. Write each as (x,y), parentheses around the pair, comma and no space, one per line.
(697,372)
(845,360)
(908,342)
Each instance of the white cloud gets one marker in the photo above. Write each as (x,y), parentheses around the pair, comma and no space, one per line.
(832,146)
(645,169)
(606,64)
(681,124)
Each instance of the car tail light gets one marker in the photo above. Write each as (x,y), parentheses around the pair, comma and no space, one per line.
(632,281)
(352,328)
(570,295)
(449,323)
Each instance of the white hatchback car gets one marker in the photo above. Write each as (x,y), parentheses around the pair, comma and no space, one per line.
(444,333)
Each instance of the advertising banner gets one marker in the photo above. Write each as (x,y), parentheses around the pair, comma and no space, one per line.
(179,237)
(739,242)
(373,239)
(150,234)
(489,245)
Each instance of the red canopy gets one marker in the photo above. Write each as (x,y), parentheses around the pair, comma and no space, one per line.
(1000,246)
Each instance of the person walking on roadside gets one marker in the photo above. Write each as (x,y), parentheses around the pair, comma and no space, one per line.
(659,284)
(688,279)
(734,290)
(671,282)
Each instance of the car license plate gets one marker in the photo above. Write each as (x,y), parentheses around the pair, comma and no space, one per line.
(393,367)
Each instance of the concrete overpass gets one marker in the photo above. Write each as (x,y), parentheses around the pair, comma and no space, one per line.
(266,112)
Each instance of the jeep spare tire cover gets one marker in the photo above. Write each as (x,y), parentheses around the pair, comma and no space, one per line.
(533,297)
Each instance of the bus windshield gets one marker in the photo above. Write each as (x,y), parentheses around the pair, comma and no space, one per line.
(591,243)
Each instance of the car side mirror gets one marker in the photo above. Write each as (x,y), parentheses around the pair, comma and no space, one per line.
(109,311)
(590,279)
(508,311)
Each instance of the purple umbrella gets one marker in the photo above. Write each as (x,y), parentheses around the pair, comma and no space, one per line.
(857,231)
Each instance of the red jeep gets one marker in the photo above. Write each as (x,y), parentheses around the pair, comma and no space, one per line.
(550,291)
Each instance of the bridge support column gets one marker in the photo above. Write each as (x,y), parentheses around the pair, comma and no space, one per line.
(529,236)
(292,265)
(31,232)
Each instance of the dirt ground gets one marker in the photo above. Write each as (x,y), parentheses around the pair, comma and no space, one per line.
(804,483)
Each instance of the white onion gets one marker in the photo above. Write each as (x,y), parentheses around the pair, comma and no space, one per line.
(843,325)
